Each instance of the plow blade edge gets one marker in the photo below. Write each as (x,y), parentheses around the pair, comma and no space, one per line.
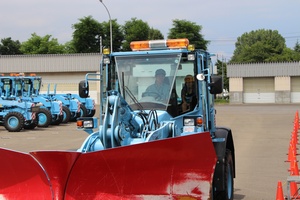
(175,168)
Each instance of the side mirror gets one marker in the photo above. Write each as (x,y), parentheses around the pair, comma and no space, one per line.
(83,89)
(216,85)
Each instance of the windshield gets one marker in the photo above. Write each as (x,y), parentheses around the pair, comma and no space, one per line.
(32,85)
(147,80)
(6,87)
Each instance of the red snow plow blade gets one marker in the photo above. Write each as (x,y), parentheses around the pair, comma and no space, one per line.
(175,168)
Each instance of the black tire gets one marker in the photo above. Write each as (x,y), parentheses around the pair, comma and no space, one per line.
(66,114)
(44,117)
(226,194)
(14,122)
(82,113)
(58,120)
(91,113)
(30,125)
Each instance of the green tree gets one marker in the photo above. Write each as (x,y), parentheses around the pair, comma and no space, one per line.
(69,47)
(222,71)
(189,30)
(287,55)
(297,47)
(258,46)
(86,35)
(10,47)
(135,30)
(117,35)
(155,34)
(41,45)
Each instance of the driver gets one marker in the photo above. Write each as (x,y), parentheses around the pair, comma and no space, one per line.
(188,93)
(160,89)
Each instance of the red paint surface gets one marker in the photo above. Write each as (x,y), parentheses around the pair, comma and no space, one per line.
(171,168)
(58,166)
(21,177)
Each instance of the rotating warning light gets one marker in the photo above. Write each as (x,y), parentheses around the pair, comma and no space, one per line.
(159,44)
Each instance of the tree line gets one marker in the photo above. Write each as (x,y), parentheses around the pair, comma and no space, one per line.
(88,32)
(251,47)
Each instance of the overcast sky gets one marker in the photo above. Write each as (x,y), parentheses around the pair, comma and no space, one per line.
(222,21)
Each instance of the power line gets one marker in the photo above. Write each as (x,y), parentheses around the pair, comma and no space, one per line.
(234,40)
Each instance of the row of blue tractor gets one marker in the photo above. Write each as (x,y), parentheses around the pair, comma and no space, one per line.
(22,105)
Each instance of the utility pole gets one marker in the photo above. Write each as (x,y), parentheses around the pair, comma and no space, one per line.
(110,25)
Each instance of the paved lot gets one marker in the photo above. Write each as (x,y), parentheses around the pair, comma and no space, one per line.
(261,134)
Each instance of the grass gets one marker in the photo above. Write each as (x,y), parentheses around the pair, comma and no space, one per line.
(221,101)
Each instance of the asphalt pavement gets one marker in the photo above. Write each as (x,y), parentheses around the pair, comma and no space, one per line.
(261,134)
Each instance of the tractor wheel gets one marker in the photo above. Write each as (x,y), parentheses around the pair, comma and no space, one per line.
(14,122)
(82,113)
(58,121)
(66,114)
(226,194)
(30,125)
(44,116)
(91,113)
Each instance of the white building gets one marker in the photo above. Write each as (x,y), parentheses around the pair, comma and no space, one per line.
(264,82)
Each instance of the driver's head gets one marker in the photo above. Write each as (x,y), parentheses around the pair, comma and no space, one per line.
(189,80)
(160,72)
(160,75)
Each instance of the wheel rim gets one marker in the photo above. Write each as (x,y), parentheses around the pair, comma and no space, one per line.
(13,122)
(42,118)
(229,182)
(81,113)
(64,116)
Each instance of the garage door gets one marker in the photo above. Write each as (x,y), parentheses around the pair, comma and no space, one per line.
(259,90)
(295,89)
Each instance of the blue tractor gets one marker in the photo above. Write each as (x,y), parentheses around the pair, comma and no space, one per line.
(87,105)
(32,86)
(158,96)
(16,114)
(26,88)
(71,107)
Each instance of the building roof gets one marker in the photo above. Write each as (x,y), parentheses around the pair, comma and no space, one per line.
(50,63)
(263,69)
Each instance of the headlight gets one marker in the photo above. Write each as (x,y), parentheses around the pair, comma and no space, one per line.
(189,122)
(87,123)
(106,60)
(191,57)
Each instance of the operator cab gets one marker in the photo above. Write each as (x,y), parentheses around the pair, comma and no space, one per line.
(138,79)
(134,75)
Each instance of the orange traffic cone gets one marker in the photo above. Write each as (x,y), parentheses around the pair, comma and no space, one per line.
(294,135)
(279,194)
(294,190)
(292,152)
(294,170)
